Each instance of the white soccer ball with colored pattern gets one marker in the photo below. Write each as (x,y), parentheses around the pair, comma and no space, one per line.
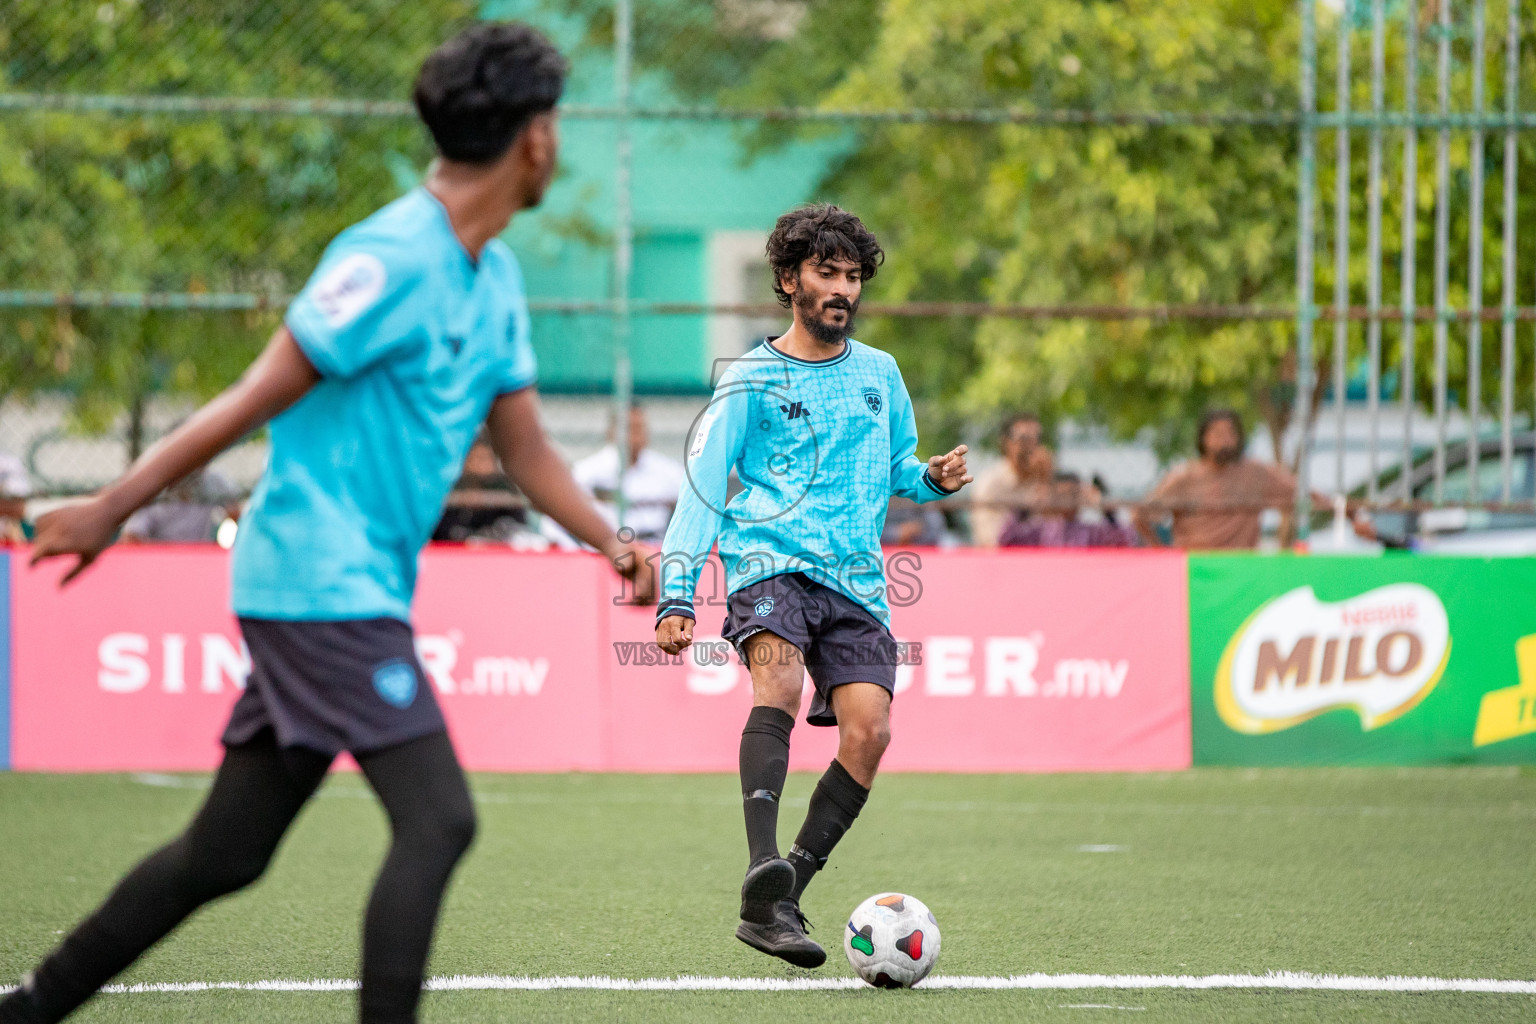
(892,940)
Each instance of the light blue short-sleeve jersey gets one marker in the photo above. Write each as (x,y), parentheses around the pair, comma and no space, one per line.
(819,448)
(413,341)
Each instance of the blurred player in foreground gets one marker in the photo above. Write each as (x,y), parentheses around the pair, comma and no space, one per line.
(820,430)
(411,333)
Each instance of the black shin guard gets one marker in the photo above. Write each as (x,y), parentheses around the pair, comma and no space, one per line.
(764,764)
(837,801)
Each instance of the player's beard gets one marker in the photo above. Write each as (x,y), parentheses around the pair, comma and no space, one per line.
(811,310)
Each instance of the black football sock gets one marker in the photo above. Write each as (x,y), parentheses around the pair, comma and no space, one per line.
(838,799)
(432,821)
(255,796)
(764,764)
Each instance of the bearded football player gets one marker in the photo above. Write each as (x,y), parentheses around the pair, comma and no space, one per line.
(820,431)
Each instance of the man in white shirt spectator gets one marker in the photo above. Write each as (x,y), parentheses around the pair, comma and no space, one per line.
(15,488)
(652,483)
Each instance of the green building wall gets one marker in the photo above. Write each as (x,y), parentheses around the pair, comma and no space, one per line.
(690,180)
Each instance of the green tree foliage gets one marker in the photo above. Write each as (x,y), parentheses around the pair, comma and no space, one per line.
(1093,215)
(193,203)
(1111,215)
(1115,215)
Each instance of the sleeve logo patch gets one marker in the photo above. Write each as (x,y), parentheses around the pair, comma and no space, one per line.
(348,288)
(702,435)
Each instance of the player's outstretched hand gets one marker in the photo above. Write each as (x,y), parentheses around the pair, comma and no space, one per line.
(674,633)
(949,471)
(84,530)
(637,563)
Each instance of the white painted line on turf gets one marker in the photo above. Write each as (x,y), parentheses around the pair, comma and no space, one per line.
(1100,1006)
(1294,980)
(162,781)
(316,985)
(1102,848)
(1285,980)
(1516,811)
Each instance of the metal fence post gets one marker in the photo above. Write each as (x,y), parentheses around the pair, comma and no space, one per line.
(1305,312)
(1507,328)
(1373,243)
(623,248)
(1475,257)
(1341,245)
(1409,295)
(1442,238)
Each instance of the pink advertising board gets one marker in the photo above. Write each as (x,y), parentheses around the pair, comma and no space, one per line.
(133,666)
(1026,661)
(1022,661)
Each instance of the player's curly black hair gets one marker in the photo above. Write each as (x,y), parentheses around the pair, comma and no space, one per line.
(820,232)
(480,88)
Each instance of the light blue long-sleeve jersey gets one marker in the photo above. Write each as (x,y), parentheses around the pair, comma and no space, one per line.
(819,448)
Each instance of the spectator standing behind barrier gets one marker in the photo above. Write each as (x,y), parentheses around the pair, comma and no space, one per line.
(908,524)
(1072,517)
(1021,479)
(652,483)
(483,505)
(190,512)
(1215,501)
(15,488)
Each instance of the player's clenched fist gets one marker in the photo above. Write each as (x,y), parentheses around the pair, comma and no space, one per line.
(674,633)
(949,471)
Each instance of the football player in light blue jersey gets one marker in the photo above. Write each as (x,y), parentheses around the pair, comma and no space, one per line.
(820,432)
(412,332)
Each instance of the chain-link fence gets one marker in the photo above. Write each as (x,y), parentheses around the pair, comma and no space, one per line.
(1105,212)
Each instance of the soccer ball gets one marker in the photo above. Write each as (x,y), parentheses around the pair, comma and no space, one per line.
(892,940)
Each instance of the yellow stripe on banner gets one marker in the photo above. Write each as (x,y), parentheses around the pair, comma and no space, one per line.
(1510,712)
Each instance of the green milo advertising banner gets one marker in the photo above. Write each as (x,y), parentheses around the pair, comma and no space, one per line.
(1373,660)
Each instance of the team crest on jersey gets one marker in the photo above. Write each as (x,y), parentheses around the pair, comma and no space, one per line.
(395,682)
(872,399)
(764,606)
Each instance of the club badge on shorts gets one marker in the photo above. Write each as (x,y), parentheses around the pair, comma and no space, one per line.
(764,606)
(395,682)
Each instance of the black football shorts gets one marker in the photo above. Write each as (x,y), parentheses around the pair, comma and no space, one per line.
(841,641)
(353,684)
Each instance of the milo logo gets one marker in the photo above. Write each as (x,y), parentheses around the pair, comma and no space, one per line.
(1377,654)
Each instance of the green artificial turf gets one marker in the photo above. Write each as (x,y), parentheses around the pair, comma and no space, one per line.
(1370,872)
